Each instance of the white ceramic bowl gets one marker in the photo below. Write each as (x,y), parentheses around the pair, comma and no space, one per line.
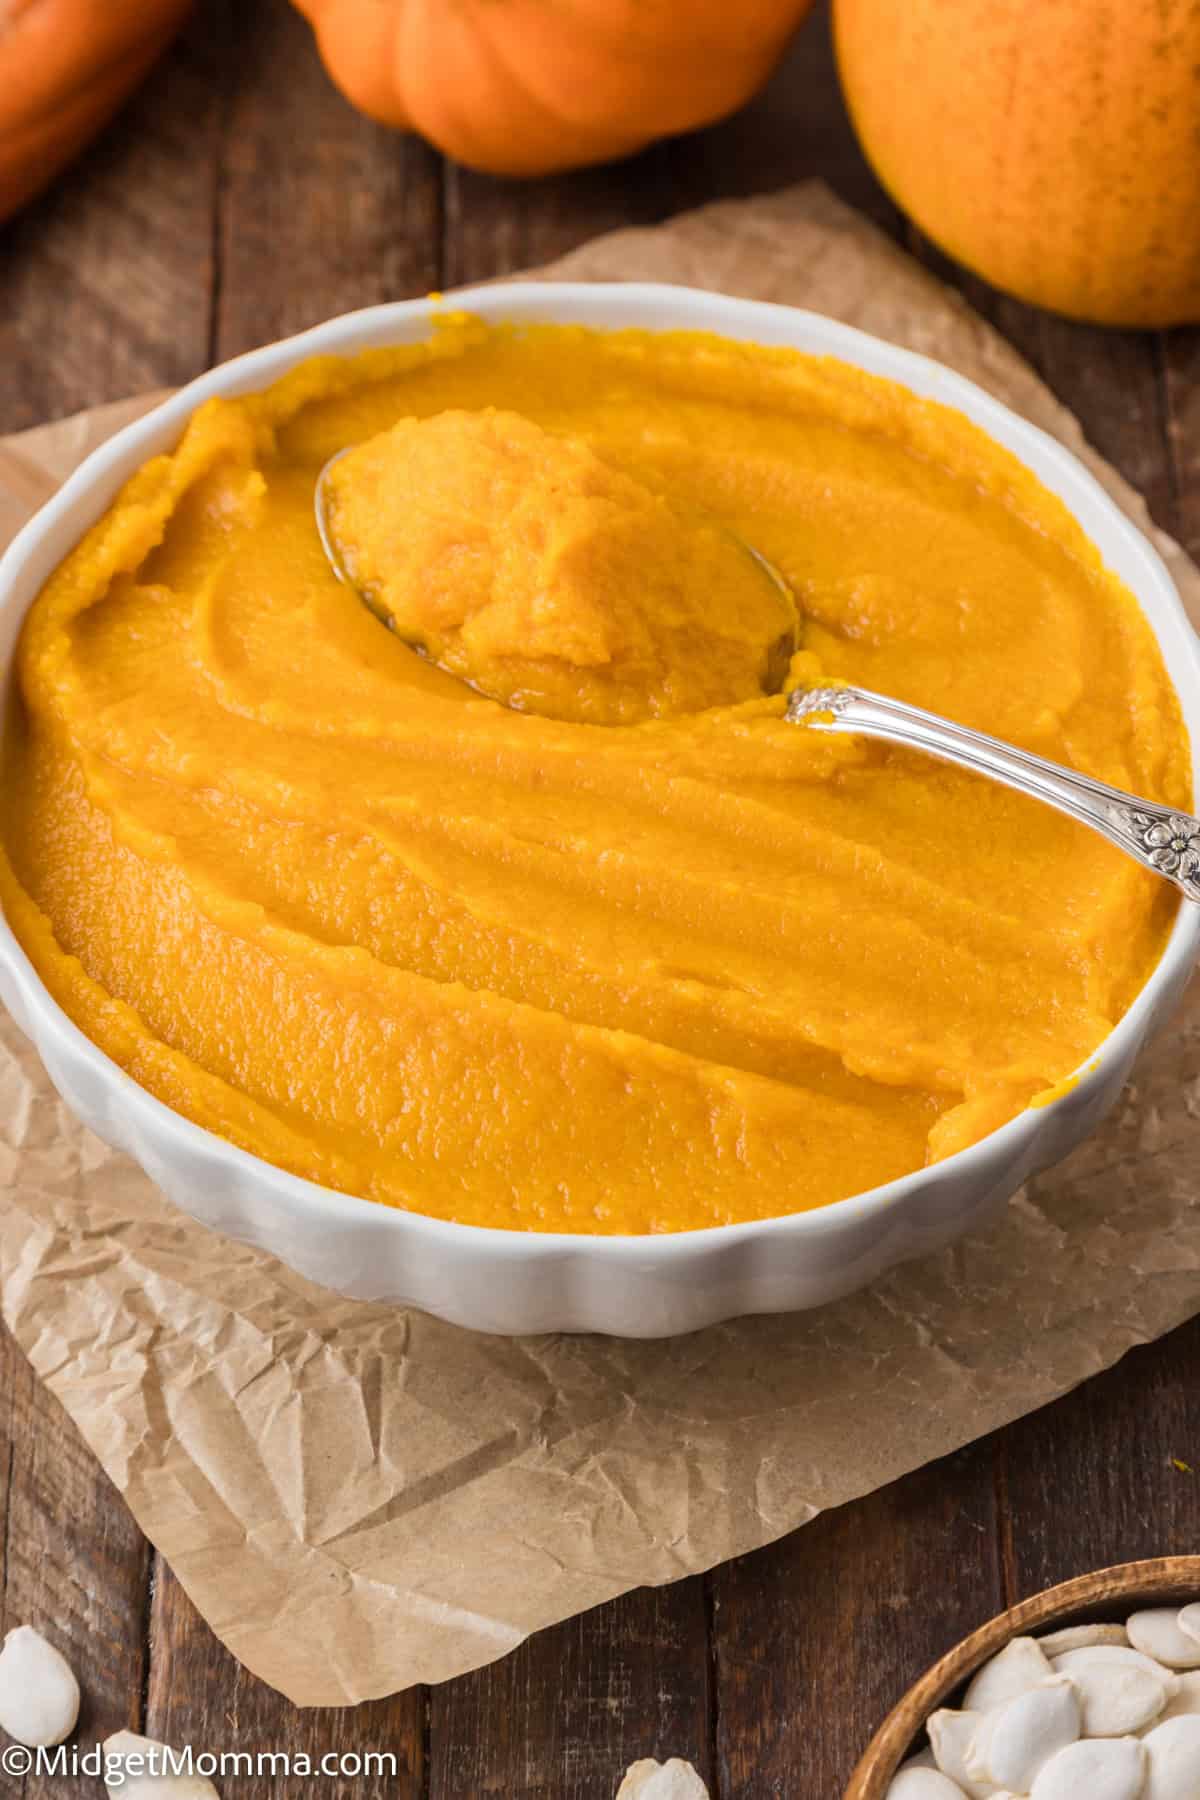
(528,1282)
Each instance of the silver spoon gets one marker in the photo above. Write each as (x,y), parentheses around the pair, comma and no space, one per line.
(1161,839)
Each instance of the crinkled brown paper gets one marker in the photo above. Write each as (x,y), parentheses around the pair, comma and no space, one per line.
(358,1498)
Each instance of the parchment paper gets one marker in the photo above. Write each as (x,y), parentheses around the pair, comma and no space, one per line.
(358,1498)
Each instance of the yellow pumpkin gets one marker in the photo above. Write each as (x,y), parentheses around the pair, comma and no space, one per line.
(65,67)
(525,87)
(1053,147)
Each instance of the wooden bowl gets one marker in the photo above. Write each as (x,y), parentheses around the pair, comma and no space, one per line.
(1108,1594)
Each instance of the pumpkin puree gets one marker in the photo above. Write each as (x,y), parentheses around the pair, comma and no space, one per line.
(548,973)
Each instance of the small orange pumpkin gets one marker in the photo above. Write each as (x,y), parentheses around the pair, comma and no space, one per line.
(65,67)
(1052,147)
(526,87)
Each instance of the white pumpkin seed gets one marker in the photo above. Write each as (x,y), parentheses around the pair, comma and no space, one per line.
(1173,1758)
(1080,1637)
(1021,1665)
(1117,1699)
(924,1784)
(1189,1620)
(673,1780)
(953,1736)
(1018,1737)
(39,1695)
(1093,1769)
(1156,1632)
(1114,1655)
(139,1784)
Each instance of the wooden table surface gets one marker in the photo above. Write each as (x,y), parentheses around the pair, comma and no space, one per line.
(238,198)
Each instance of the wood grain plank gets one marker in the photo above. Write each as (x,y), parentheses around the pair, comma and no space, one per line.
(106,279)
(198,1694)
(1181,403)
(817,1637)
(320,211)
(1096,1479)
(75,1565)
(563,1717)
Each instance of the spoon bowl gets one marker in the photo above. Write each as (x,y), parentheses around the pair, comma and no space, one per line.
(779,655)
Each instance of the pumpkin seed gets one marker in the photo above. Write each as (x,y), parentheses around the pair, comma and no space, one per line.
(923,1784)
(1117,1699)
(1173,1756)
(1021,1665)
(1114,1656)
(39,1695)
(132,1780)
(1156,1632)
(953,1736)
(1100,1768)
(1017,1738)
(673,1780)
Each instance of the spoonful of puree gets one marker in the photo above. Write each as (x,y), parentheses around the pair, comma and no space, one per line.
(522,563)
(540,575)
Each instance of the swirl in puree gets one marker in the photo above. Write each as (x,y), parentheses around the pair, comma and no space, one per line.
(532,911)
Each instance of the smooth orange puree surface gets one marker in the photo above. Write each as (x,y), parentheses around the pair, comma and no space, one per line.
(322,896)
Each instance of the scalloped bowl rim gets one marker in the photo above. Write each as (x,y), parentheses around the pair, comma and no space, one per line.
(89,489)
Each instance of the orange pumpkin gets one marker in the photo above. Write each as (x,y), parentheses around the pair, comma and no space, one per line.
(525,87)
(1053,147)
(65,67)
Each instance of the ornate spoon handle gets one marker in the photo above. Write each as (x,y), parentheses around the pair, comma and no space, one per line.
(1165,841)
